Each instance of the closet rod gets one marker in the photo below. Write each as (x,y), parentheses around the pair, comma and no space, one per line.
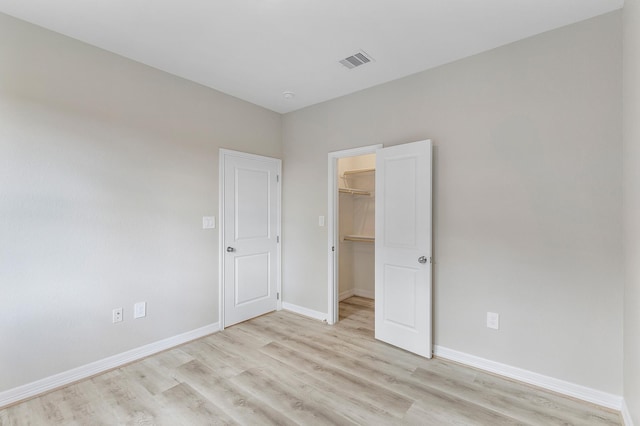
(354,191)
(359,238)
(353,172)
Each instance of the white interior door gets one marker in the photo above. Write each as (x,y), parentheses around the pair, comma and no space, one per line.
(250,240)
(403,247)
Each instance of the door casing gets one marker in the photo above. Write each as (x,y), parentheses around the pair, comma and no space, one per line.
(224,153)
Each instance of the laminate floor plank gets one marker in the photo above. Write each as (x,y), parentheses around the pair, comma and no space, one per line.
(359,325)
(126,398)
(232,399)
(354,315)
(400,381)
(486,398)
(155,380)
(290,398)
(348,309)
(183,405)
(39,411)
(239,334)
(335,398)
(171,359)
(326,340)
(529,404)
(81,404)
(206,352)
(388,400)
(360,301)
(286,369)
(423,414)
(258,360)
(349,404)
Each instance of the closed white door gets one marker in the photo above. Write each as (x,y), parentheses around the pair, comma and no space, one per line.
(403,247)
(250,237)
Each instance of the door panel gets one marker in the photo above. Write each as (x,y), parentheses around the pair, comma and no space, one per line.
(251,223)
(403,236)
(399,202)
(400,291)
(252,278)
(252,204)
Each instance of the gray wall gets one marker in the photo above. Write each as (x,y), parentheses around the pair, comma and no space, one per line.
(527,197)
(631,99)
(106,169)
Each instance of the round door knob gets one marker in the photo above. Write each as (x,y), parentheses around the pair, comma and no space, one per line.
(422,259)
(230,249)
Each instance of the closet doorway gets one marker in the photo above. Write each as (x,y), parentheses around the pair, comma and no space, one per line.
(402,262)
(351,226)
(356,228)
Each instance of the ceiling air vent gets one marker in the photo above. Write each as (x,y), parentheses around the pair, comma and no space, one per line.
(357,59)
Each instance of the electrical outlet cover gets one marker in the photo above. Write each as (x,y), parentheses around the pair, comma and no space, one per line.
(208,222)
(117,315)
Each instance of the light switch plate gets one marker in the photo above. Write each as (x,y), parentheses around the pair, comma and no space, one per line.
(320,220)
(208,222)
(140,310)
(493,320)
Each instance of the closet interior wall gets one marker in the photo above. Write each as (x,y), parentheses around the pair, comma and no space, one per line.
(356,226)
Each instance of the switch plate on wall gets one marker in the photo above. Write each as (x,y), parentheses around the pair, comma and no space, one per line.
(140,310)
(208,222)
(493,320)
(320,220)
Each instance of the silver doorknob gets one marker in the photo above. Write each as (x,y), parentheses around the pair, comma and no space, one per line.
(422,259)
(230,249)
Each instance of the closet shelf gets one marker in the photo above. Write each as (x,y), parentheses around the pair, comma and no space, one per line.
(354,191)
(360,238)
(353,172)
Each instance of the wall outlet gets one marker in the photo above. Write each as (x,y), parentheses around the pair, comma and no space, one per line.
(140,310)
(493,320)
(208,222)
(117,315)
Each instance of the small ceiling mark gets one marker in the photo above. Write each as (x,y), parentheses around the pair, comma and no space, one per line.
(355,60)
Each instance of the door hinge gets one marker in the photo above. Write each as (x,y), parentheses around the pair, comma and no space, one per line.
(333,248)
(277,178)
(278,295)
(277,238)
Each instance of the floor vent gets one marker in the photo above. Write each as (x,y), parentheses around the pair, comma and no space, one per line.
(355,60)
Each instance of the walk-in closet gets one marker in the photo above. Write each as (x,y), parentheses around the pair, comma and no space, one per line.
(356,226)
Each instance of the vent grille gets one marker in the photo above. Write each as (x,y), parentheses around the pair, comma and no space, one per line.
(355,60)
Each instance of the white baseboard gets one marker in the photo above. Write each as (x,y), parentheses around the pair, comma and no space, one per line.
(304,311)
(361,292)
(65,378)
(626,415)
(584,393)
(346,294)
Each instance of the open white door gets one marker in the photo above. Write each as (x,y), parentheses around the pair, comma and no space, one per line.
(403,247)
(249,241)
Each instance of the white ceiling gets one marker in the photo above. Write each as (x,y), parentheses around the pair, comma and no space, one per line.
(258,49)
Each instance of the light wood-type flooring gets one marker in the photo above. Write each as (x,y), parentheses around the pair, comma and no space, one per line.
(285,369)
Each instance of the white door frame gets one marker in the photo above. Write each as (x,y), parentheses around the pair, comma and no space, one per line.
(224,153)
(332,223)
